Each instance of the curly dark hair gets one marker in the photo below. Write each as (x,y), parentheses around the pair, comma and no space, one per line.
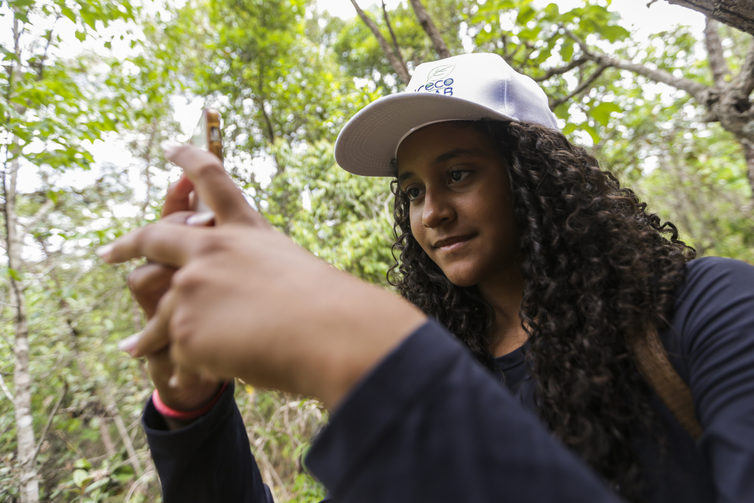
(597,267)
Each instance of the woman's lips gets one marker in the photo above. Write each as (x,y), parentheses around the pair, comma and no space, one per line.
(451,243)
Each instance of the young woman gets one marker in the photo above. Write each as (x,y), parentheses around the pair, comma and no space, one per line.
(517,243)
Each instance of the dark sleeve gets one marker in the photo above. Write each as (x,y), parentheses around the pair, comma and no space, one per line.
(209,460)
(430,424)
(714,328)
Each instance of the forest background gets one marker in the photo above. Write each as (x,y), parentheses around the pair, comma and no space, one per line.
(669,114)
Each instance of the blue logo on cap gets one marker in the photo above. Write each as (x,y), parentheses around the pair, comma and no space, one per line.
(438,80)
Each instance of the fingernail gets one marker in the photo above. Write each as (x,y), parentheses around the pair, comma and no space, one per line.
(201,218)
(169,147)
(129,343)
(104,251)
(173,382)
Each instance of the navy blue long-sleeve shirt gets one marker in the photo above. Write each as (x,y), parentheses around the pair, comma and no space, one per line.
(430,424)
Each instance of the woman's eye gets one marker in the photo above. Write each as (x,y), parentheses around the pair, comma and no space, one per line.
(458,175)
(412,193)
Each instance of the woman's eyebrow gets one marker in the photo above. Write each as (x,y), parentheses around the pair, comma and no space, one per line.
(458,152)
(405,175)
(451,154)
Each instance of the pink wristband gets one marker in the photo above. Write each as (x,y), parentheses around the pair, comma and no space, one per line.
(185,415)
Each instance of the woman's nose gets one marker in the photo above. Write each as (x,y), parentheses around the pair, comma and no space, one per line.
(437,210)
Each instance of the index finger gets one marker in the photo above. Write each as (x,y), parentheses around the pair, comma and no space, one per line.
(214,185)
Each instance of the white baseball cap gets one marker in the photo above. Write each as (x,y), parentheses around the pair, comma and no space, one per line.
(467,87)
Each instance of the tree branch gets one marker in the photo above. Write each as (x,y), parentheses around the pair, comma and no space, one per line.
(49,422)
(508,56)
(716,57)
(136,484)
(260,105)
(39,215)
(581,88)
(429,27)
(112,410)
(561,69)
(398,65)
(392,33)
(7,392)
(48,38)
(736,13)
(697,90)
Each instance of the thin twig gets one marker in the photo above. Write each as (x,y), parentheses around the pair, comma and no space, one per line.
(43,59)
(584,86)
(399,66)
(112,409)
(561,69)
(135,485)
(392,33)
(273,473)
(49,422)
(38,216)
(7,391)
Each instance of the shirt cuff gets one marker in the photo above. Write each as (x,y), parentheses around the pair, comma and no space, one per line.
(185,439)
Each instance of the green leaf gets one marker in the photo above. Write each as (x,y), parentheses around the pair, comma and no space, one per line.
(82,463)
(613,33)
(21,16)
(562,112)
(67,12)
(601,112)
(552,12)
(100,483)
(81,35)
(526,14)
(592,132)
(7,54)
(14,274)
(123,473)
(566,52)
(81,478)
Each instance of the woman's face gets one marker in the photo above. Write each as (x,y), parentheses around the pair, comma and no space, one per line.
(461,206)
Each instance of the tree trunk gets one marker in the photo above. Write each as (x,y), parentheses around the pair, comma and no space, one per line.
(29,480)
(28,477)
(429,27)
(736,13)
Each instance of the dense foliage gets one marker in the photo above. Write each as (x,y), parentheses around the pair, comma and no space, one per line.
(285,77)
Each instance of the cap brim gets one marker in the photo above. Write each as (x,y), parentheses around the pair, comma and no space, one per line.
(368,142)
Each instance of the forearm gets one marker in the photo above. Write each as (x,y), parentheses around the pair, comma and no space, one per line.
(365,324)
(429,424)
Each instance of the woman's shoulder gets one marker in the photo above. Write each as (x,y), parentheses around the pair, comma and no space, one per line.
(708,276)
(714,304)
(706,265)
(712,348)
